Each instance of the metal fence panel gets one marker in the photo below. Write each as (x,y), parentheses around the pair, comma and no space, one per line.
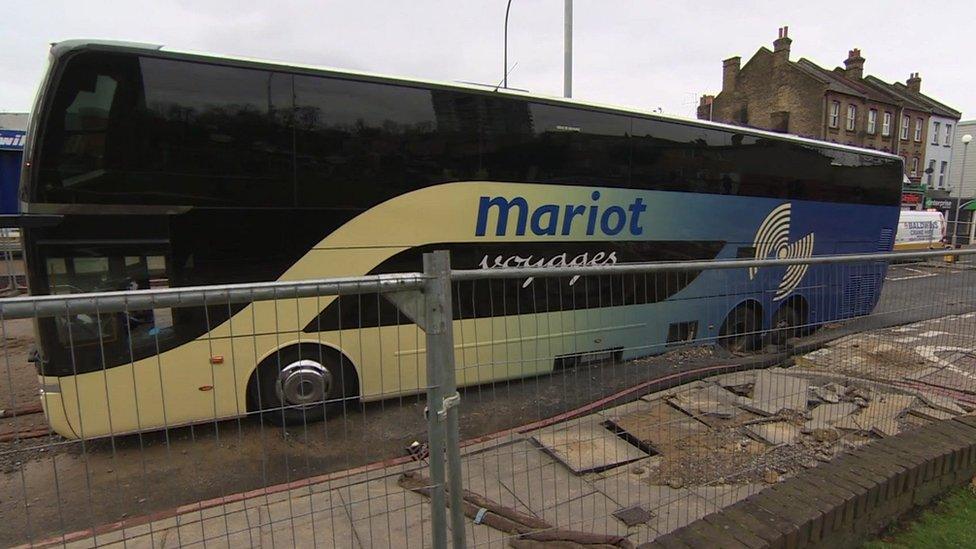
(604,404)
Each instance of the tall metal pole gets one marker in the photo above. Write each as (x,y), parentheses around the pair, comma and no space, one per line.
(568,49)
(962,187)
(505,68)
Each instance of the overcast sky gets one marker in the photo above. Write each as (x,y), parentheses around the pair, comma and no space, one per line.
(644,54)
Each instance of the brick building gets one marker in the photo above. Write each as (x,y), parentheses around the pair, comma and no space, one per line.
(773,92)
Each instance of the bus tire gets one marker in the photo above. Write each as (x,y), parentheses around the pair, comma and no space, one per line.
(788,323)
(740,333)
(301,384)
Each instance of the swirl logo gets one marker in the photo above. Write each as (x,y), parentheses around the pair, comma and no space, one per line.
(773,239)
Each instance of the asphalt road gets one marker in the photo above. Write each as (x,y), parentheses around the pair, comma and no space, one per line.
(76,485)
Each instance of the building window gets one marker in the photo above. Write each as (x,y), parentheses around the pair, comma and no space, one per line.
(936,127)
(915,167)
(886,125)
(834,114)
(948,139)
(905,121)
(918,130)
(942,173)
(929,172)
(872,121)
(851,116)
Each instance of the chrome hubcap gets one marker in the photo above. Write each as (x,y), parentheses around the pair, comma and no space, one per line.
(304,383)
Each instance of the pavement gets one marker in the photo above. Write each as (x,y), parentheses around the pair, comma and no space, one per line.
(636,470)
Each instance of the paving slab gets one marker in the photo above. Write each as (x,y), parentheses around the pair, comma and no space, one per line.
(775,433)
(941,402)
(774,392)
(931,413)
(590,513)
(319,520)
(678,513)
(826,414)
(588,446)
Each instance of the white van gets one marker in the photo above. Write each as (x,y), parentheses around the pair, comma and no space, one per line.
(920,231)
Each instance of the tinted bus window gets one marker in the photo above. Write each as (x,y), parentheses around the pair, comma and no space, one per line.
(155,131)
(217,135)
(359,143)
(575,146)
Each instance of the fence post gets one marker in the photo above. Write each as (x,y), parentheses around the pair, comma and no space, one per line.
(442,400)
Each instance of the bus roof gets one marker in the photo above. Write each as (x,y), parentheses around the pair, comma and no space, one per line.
(60,48)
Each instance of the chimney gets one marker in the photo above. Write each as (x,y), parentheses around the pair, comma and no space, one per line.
(914,82)
(854,65)
(705,107)
(781,47)
(730,70)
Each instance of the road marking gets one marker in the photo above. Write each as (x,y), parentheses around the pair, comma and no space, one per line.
(909,277)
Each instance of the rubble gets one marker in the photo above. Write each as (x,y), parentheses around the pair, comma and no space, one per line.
(780,432)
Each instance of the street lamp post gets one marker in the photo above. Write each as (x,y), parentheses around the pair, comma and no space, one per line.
(505,68)
(962,186)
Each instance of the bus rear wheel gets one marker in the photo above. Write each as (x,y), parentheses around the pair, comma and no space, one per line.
(300,385)
(787,324)
(740,332)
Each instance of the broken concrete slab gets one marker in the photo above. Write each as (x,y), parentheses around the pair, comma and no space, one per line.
(588,446)
(775,433)
(774,392)
(826,394)
(931,413)
(941,402)
(708,400)
(826,414)
(880,415)
(736,379)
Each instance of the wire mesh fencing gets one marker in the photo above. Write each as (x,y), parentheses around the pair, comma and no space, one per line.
(564,401)
(231,415)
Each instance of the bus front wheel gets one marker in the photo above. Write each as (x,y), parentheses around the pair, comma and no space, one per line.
(300,385)
(740,332)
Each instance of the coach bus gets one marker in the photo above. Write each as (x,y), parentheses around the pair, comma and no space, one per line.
(164,168)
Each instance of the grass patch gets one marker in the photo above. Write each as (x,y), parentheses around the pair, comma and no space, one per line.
(949,523)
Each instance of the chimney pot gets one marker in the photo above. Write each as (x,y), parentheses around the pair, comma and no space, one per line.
(854,64)
(781,47)
(914,82)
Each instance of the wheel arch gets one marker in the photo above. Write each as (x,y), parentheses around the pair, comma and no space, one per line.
(349,369)
(799,303)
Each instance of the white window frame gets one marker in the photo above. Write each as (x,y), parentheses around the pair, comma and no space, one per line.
(936,132)
(834,118)
(942,173)
(886,124)
(918,130)
(851,121)
(905,122)
(872,121)
(948,138)
(914,172)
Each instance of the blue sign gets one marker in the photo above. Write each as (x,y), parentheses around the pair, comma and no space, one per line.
(12,140)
